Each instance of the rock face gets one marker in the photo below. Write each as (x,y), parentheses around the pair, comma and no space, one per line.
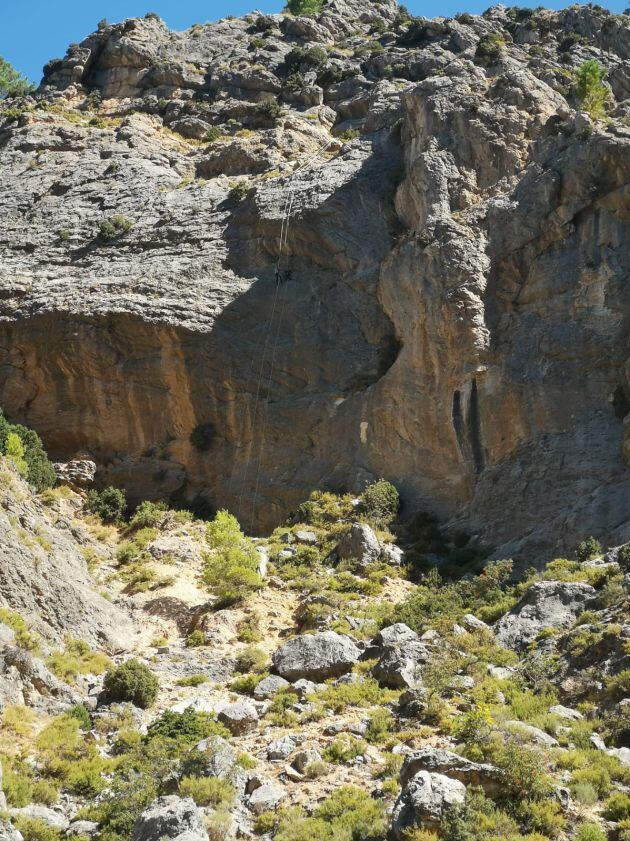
(43,573)
(240,717)
(547,604)
(170,817)
(438,761)
(359,544)
(79,472)
(401,656)
(454,319)
(316,656)
(423,801)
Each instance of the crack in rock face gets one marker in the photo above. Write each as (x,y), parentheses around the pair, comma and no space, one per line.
(234,268)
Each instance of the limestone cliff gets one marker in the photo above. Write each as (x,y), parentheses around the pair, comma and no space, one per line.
(455,319)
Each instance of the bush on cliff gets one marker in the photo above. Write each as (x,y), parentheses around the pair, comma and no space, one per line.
(380,502)
(132,681)
(590,89)
(32,462)
(304,7)
(109,504)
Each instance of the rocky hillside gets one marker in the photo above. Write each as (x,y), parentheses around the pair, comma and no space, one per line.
(454,316)
(326,683)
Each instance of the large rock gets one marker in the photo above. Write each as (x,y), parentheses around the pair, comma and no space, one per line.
(439,761)
(240,717)
(170,817)
(400,655)
(269,686)
(316,656)
(44,576)
(529,733)
(213,757)
(79,472)
(266,797)
(424,800)
(8,832)
(53,818)
(546,604)
(359,543)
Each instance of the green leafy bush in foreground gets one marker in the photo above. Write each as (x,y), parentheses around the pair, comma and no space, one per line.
(231,570)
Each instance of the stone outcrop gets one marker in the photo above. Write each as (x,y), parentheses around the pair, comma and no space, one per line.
(439,761)
(44,576)
(316,656)
(424,800)
(546,604)
(400,655)
(455,315)
(170,817)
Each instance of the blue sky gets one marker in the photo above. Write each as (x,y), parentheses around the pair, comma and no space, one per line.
(33,31)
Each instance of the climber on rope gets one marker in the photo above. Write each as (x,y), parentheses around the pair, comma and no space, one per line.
(282,279)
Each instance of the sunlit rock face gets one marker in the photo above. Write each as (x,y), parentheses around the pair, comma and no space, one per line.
(454,317)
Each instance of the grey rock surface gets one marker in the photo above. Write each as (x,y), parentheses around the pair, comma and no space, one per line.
(316,656)
(213,757)
(170,817)
(529,733)
(439,761)
(265,798)
(240,717)
(546,604)
(8,832)
(44,576)
(424,800)
(359,544)
(400,664)
(269,686)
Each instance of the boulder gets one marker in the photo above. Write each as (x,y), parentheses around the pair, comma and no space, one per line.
(316,656)
(359,544)
(240,717)
(213,757)
(265,798)
(36,811)
(269,686)
(304,758)
(170,817)
(597,742)
(303,688)
(566,713)
(396,634)
(8,832)
(78,473)
(546,604)
(439,761)
(83,828)
(622,754)
(392,554)
(471,623)
(531,733)
(400,664)
(280,749)
(304,536)
(413,702)
(424,800)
